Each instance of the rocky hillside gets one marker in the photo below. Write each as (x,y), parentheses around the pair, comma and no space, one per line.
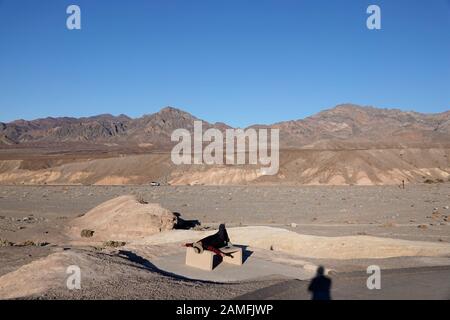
(352,126)
(154,129)
(343,127)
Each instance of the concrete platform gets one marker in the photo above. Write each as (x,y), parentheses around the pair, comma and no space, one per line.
(252,268)
(204,260)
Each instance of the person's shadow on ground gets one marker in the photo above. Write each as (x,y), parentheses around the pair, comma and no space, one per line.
(320,286)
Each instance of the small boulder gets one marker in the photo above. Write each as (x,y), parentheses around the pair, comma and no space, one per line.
(114,244)
(85,233)
(28,243)
(5,243)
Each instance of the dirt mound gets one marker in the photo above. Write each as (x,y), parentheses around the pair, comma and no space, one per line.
(123,218)
(39,275)
(308,246)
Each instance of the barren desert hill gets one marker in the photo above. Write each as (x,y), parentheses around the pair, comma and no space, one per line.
(151,130)
(352,126)
(344,126)
(345,145)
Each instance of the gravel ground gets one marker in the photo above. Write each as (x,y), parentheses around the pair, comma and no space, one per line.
(326,210)
(126,277)
(39,214)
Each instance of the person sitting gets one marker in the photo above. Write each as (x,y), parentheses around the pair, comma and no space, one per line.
(213,242)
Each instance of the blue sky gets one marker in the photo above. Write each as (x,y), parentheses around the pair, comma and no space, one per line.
(237,61)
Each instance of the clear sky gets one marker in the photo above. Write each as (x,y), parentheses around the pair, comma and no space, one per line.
(237,61)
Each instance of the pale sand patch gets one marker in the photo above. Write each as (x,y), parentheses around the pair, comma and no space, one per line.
(78,177)
(30,177)
(145,145)
(309,172)
(215,176)
(308,246)
(114,180)
(362,179)
(337,180)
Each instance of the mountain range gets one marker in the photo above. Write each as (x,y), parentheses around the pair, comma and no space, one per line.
(342,127)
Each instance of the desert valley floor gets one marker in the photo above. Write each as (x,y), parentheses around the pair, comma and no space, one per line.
(334,222)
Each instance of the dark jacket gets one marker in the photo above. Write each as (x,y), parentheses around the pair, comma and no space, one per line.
(218,240)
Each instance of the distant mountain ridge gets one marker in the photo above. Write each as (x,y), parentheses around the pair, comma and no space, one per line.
(353,125)
(344,126)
